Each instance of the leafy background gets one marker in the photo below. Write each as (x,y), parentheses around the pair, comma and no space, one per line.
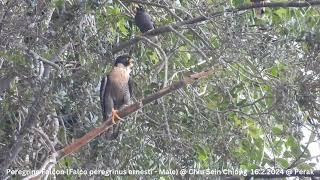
(260,109)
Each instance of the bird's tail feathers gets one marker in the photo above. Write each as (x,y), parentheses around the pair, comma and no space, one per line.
(113,132)
(259,12)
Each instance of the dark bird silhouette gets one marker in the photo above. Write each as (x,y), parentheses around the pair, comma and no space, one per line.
(143,20)
(116,91)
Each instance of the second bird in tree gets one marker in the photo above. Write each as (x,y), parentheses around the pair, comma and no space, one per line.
(143,20)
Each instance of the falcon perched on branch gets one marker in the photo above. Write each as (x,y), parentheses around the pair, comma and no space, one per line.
(143,20)
(115,91)
(259,11)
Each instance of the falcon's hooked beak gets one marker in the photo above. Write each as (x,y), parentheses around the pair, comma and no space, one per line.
(130,61)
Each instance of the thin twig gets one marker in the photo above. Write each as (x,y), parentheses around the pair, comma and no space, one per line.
(147,3)
(38,57)
(45,137)
(164,58)
(126,8)
(166,122)
(189,42)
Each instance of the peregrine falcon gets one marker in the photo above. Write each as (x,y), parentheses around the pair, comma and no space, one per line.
(115,91)
(143,20)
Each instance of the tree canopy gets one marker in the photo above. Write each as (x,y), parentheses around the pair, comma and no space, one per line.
(259,108)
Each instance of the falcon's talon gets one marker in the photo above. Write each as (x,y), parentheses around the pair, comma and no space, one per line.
(115,116)
(112,119)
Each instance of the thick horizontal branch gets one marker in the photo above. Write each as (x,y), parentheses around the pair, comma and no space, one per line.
(73,147)
(178,25)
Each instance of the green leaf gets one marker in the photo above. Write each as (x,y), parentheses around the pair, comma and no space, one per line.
(58,3)
(266,88)
(277,130)
(201,152)
(214,41)
(211,105)
(237,3)
(237,120)
(306,166)
(164,178)
(274,71)
(281,12)
(291,142)
(114,10)
(296,151)
(121,24)
(283,162)
(153,57)
(254,132)
(287,154)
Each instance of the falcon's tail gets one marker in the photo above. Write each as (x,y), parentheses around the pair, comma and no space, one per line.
(113,132)
(259,12)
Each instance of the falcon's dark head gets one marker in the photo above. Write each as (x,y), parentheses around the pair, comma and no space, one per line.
(124,60)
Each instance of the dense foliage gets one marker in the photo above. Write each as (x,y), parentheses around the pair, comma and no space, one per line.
(260,109)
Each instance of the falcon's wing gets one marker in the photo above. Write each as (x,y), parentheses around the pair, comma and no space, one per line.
(130,82)
(106,104)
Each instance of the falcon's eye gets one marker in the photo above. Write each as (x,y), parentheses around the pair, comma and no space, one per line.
(130,60)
